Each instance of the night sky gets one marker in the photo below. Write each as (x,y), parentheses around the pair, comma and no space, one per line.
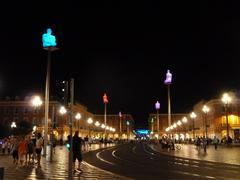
(123,49)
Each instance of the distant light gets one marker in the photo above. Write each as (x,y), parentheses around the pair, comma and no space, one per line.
(128,123)
(89,121)
(34,128)
(205,109)
(179,123)
(62,110)
(107,127)
(184,120)
(103,126)
(174,125)
(120,114)
(36,101)
(97,123)
(13,125)
(193,115)
(78,116)
(226,98)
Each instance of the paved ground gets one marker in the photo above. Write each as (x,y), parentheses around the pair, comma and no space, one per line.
(139,161)
(58,169)
(223,154)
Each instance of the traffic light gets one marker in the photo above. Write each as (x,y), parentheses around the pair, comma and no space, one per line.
(68,143)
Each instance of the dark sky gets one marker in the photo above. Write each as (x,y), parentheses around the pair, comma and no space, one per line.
(124,49)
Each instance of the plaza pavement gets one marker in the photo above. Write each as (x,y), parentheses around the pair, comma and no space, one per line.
(56,170)
(223,154)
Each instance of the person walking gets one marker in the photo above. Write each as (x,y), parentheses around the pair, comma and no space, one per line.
(215,142)
(77,151)
(15,150)
(39,145)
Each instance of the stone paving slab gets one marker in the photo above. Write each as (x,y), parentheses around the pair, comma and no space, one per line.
(224,154)
(56,170)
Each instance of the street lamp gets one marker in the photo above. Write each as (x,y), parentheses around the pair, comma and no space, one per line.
(120,125)
(89,121)
(36,102)
(205,109)
(193,116)
(127,123)
(62,111)
(226,99)
(157,107)
(13,126)
(78,117)
(168,82)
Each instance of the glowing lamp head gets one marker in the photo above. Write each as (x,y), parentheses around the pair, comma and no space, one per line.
(174,125)
(89,121)
(171,127)
(36,101)
(157,105)
(193,115)
(128,123)
(78,116)
(226,99)
(97,123)
(102,126)
(205,109)
(62,110)
(107,127)
(179,123)
(13,125)
(184,120)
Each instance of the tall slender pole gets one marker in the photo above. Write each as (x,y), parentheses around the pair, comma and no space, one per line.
(206,125)
(158,123)
(70,155)
(169,106)
(193,128)
(105,118)
(47,101)
(120,127)
(226,110)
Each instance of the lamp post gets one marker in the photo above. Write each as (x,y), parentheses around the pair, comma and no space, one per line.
(105,101)
(49,44)
(226,99)
(36,102)
(205,109)
(13,126)
(127,123)
(89,121)
(168,82)
(62,111)
(120,125)
(78,117)
(193,117)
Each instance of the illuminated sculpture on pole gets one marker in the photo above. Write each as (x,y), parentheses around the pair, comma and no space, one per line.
(168,82)
(157,107)
(49,44)
(48,39)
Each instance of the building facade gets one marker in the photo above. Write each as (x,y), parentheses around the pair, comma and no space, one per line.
(213,123)
(58,123)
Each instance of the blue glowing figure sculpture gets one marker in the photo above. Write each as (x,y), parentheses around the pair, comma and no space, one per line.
(48,39)
(168,80)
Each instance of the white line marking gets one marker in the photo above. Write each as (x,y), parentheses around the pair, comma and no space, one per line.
(103,160)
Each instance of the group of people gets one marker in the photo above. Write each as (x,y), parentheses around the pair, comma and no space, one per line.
(24,149)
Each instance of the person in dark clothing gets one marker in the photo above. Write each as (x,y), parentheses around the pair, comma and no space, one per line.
(77,150)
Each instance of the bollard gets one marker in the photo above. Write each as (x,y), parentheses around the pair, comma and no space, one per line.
(1,173)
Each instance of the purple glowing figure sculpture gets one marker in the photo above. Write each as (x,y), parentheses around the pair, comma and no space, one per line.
(168,80)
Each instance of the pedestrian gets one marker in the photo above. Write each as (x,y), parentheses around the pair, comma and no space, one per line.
(77,150)
(8,146)
(14,150)
(4,144)
(86,145)
(205,144)
(30,149)
(22,150)
(215,142)
(39,145)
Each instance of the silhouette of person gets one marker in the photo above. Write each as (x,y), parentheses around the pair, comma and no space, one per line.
(168,78)
(48,39)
